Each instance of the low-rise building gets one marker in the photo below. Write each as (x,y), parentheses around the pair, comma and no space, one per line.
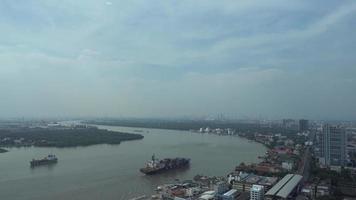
(245,182)
(208,195)
(287,165)
(230,195)
(267,168)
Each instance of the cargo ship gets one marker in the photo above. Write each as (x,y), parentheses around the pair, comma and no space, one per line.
(50,159)
(155,166)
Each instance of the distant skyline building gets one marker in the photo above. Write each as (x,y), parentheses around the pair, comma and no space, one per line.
(290,124)
(333,145)
(303,125)
(257,192)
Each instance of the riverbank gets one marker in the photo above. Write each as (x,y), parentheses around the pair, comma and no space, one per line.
(62,137)
(186,125)
(3,150)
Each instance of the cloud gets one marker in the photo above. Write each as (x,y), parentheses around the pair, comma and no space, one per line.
(178,57)
(284,38)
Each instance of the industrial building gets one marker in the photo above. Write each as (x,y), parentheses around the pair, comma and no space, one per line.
(285,188)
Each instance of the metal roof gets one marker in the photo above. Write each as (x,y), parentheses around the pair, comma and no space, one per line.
(209,192)
(289,187)
(279,185)
(230,192)
(206,197)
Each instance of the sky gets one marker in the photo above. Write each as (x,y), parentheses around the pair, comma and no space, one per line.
(268,59)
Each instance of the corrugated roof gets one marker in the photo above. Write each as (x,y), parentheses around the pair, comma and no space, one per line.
(230,192)
(279,185)
(206,197)
(289,187)
(209,192)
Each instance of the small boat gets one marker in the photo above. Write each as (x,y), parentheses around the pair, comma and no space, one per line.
(50,159)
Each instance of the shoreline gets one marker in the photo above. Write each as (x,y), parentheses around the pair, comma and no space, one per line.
(63,138)
(3,150)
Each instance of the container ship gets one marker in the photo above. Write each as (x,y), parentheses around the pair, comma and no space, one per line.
(155,165)
(50,159)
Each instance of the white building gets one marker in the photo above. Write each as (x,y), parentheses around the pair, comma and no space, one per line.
(287,165)
(207,130)
(257,192)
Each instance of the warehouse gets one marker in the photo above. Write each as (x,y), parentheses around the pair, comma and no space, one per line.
(285,187)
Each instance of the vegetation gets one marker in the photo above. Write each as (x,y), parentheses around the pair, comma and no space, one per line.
(324,173)
(62,137)
(342,183)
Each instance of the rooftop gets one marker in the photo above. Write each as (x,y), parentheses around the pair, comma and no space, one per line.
(289,187)
(257,188)
(268,181)
(285,186)
(211,192)
(230,192)
(252,178)
(279,185)
(206,196)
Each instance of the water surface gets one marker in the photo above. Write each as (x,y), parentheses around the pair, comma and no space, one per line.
(111,171)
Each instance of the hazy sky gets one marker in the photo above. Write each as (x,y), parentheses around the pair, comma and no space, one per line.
(157,58)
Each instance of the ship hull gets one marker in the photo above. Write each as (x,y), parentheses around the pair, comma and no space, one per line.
(150,172)
(36,163)
(169,165)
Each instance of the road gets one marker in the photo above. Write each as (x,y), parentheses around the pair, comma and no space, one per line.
(304,168)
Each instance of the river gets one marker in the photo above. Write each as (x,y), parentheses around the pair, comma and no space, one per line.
(111,171)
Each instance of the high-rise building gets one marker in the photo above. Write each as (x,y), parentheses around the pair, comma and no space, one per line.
(287,123)
(333,145)
(257,192)
(303,125)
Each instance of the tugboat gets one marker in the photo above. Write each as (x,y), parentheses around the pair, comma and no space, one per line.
(155,166)
(50,159)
